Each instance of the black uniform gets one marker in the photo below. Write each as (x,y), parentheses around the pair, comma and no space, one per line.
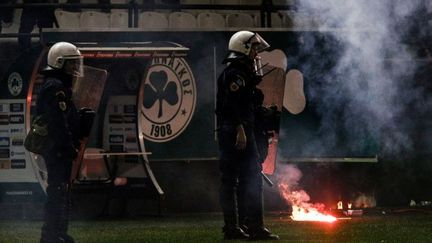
(55,99)
(240,169)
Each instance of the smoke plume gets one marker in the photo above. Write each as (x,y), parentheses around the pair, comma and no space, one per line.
(288,177)
(368,87)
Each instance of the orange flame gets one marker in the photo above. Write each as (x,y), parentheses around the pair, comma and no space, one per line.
(310,214)
(301,209)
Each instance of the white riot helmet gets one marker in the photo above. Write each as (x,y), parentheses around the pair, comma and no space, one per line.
(63,52)
(243,42)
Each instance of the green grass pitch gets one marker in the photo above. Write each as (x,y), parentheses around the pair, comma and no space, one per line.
(413,227)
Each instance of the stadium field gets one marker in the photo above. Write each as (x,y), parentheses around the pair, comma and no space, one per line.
(389,227)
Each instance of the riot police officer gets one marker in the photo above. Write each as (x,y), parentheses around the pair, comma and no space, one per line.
(240,165)
(55,99)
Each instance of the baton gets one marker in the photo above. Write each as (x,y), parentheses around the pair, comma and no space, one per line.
(262,68)
(271,70)
(267,180)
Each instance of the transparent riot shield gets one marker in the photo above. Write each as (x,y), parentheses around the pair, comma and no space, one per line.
(272,86)
(281,88)
(87,92)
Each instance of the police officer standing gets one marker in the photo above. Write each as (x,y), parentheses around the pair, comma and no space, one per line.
(240,165)
(55,100)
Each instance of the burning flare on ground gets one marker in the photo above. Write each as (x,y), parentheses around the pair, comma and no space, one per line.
(302,210)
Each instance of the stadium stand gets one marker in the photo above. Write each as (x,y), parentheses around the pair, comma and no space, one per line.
(14,26)
(250,2)
(151,16)
(210,20)
(93,19)
(182,20)
(195,1)
(151,20)
(227,2)
(67,20)
(277,20)
(284,2)
(240,20)
(119,19)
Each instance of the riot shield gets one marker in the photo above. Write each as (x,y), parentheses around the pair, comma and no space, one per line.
(87,92)
(272,86)
(281,89)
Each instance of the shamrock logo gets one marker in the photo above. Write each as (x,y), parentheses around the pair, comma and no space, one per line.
(160,89)
(15,83)
(167,99)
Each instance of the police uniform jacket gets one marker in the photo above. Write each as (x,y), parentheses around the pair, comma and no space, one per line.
(235,95)
(55,99)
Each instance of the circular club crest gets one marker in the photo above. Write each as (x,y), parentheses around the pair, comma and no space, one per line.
(166,99)
(15,84)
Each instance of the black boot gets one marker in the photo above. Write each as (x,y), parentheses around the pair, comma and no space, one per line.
(261,233)
(52,210)
(66,239)
(56,215)
(55,239)
(48,238)
(231,229)
(64,216)
(234,233)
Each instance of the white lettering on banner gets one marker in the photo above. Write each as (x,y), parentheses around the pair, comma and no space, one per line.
(17,130)
(4,107)
(16,119)
(15,161)
(4,142)
(17,193)
(17,153)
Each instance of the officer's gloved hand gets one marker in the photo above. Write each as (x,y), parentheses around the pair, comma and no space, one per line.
(269,117)
(87,116)
(274,108)
(272,111)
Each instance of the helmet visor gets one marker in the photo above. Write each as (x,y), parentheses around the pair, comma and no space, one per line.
(259,43)
(74,67)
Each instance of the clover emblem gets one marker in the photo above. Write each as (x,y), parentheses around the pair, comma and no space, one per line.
(15,83)
(160,89)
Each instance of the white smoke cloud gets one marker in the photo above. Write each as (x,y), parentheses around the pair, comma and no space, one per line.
(368,83)
(289,174)
(288,177)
